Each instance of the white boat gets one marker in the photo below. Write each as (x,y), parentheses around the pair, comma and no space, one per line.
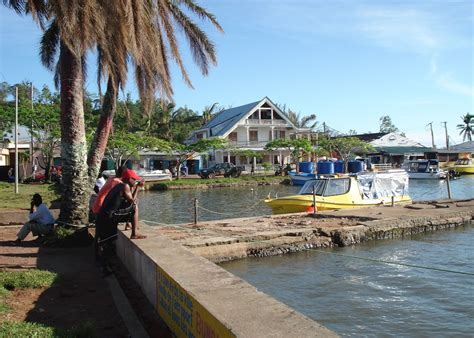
(424,169)
(147,175)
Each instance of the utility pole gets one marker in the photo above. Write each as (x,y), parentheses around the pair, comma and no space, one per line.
(16,140)
(31,130)
(432,136)
(446,133)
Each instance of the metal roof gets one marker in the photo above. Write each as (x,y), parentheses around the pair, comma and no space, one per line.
(226,119)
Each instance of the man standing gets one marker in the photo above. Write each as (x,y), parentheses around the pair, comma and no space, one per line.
(41,221)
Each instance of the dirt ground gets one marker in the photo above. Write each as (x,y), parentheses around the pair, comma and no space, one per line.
(81,295)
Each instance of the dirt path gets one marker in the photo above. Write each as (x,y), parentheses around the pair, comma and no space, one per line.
(82,294)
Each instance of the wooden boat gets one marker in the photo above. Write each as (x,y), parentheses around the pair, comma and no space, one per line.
(464,166)
(346,192)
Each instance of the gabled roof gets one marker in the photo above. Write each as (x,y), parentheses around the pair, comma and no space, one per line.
(466,146)
(396,140)
(227,119)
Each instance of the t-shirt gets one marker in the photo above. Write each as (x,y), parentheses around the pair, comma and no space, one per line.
(42,215)
(99,183)
(111,182)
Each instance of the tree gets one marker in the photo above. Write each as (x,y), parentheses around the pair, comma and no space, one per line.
(386,125)
(346,147)
(123,145)
(210,111)
(132,30)
(297,147)
(186,152)
(467,127)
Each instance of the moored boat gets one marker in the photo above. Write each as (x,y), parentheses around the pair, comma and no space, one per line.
(147,175)
(364,189)
(424,169)
(464,166)
(300,178)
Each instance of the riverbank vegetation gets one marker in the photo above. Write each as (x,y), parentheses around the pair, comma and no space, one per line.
(192,183)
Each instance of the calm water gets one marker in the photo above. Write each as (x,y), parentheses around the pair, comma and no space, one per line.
(363,298)
(176,206)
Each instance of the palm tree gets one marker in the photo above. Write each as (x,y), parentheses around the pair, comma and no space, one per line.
(302,121)
(140,31)
(467,127)
(209,112)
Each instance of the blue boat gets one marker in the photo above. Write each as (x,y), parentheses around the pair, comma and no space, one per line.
(301,178)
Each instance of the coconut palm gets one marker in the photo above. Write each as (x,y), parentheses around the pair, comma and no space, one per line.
(133,30)
(209,112)
(301,121)
(467,127)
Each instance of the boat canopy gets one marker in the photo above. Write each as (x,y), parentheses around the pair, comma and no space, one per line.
(386,184)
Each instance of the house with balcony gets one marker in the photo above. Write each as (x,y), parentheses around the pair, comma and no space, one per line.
(250,127)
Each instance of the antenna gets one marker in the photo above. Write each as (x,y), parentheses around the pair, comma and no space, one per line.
(446,133)
(432,136)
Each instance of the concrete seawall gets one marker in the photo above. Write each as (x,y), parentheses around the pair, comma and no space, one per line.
(197,298)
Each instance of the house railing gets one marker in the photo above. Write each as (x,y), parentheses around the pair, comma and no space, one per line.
(265,122)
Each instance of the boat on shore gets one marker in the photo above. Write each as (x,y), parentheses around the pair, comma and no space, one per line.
(364,189)
(424,169)
(147,175)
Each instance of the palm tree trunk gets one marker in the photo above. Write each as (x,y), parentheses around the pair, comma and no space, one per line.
(99,144)
(76,190)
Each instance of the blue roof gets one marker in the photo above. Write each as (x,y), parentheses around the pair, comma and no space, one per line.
(226,119)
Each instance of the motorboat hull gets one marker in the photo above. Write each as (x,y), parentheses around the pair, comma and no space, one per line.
(301,179)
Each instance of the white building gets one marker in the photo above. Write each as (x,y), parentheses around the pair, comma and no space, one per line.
(250,127)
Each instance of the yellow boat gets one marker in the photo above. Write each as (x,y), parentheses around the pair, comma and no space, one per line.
(346,192)
(464,166)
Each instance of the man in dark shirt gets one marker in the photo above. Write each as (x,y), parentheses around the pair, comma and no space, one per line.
(119,206)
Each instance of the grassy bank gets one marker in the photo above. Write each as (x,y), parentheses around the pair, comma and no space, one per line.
(8,198)
(192,183)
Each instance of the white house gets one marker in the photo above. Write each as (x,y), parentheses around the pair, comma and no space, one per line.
(250,127)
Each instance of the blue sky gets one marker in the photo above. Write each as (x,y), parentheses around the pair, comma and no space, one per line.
(348,62)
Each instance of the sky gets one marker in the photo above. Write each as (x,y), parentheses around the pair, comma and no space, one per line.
(347,61)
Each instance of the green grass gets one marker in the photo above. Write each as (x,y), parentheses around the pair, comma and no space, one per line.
(4,308)
(12,280)
(28,329)
(8,198)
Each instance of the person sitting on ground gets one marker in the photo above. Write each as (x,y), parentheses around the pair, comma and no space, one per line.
(41,221)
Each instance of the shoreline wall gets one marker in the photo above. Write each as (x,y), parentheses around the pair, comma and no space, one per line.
(197,298)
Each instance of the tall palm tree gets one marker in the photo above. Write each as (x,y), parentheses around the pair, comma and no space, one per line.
(301,121)
(132,30)
(467,127)
(209,112)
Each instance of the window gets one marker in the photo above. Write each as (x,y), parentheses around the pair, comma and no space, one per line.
(199,136)
(318,186)
(279,134)
(233,137)
(337,186)
(253,135)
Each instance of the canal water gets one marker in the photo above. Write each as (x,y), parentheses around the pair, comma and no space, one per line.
(352,296)
(363,298)
(176,206)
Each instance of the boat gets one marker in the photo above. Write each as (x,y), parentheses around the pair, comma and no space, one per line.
(464,166)
(364,189)
(300,178)
(424,169)
(147,175)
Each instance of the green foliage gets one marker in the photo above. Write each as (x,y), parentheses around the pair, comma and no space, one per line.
(297,147)
(123,145)
(198,182)
(4,308)
(386,125)
(346,147)
(12,280)
(267,166)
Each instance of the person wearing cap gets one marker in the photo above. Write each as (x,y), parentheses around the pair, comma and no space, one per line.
(41,221)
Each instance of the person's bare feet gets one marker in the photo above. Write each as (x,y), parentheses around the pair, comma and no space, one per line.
(138,237)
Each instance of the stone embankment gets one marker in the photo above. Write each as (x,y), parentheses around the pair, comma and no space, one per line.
(231,239)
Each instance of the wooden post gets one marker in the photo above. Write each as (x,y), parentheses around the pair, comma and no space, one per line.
(314,202)
(393,201)
(448,183)
(195,210)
